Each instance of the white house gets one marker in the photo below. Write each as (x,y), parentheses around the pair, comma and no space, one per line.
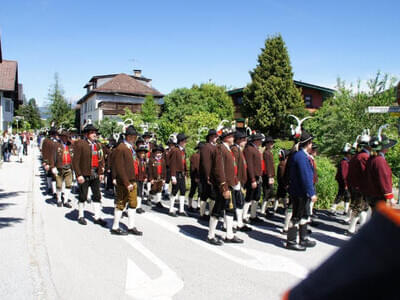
(10,92)
(109,95)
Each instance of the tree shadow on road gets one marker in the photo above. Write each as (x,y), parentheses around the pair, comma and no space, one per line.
(5,222)
(5,205)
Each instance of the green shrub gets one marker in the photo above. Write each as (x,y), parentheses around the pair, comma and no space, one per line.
(327,186)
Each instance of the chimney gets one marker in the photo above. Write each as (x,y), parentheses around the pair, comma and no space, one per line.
(137,73)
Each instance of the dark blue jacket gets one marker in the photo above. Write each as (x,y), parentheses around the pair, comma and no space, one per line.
(301,175)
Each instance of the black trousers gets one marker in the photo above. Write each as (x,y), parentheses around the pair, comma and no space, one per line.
(300,208)
(140,189)
(253,194)
(342,194)
(180,185)
(109,183)
(224,206)
(268,189)
(239,199)
(94,184)
(193,187)
(207,191)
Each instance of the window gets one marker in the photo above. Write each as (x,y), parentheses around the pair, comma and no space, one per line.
(308,101)
(85,107)
(7,106)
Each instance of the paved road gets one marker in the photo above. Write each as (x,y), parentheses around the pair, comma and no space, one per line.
(46,254)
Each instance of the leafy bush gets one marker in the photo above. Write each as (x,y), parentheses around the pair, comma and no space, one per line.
(327,186)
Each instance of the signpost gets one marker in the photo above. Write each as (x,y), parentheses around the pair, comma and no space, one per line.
(394,111)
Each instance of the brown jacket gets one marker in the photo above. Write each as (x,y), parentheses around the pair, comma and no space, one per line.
(59,149)
(48,151)
(153,169)
(194,165)
(177,161)
(253,159)
(268,158)
(242,165)
(122,166)
(82,159)
(223,168)
(207,153)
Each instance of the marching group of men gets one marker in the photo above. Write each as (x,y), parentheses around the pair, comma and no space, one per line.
(230,172)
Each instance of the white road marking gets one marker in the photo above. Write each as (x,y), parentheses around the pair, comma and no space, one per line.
(262,261)
(140,286)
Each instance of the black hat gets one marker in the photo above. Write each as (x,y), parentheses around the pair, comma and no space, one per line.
(227,131)
(199,145)
(211,132)
(158,148)
(131,130)
(181,137)
(267,140)
(305,137)
(257,136)
(142,148)
(52,130)
(147,134)
(139,140)
(240,135)
(383,143)
(89,127)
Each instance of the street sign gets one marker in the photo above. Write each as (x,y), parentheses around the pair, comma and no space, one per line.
(383,109)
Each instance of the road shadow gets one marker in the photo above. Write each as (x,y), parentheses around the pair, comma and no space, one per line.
(266,238)
(194,232)
(10,194)
(5,205)
(319,236)
(6,222)
(73,215)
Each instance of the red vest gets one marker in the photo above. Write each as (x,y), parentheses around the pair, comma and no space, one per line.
(66,158)
(95,156)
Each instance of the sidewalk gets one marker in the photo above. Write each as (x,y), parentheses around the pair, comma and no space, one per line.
(15,270)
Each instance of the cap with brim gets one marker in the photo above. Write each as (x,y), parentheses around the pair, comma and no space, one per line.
(268,139)
(240,135)
(89,128)
(305,137)
(211,132)
(256,137)
(181,137)
(131,131)
(158,148)
(227,131)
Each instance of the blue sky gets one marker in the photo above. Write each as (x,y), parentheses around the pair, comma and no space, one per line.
(179,43)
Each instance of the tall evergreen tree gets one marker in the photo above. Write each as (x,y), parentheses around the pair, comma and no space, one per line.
(31,114)
(272,94)
(61,112)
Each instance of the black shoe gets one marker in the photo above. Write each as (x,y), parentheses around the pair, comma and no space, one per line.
(124,214)
(295,246)
(284,231)
(82,221)
(182,214)
(100,222)
(134,231)
(234,240)
(59,204)
(191,209)
(214,241)
(67,205)
(245,229)
(348,233)
(172,214)
(159,205)
(140,211)
(308,243)
(118,231)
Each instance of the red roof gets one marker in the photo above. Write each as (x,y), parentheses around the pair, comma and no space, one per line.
(124,84)
(8,75)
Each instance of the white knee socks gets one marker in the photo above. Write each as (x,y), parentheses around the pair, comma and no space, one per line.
(253,209)
(181,204)
(97,210)
(229,227)
(131,218)
(239,216)
(172,203)
(81,207)
(139,202)
(246,210)
(117,218)
(202,207)
(212,227)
